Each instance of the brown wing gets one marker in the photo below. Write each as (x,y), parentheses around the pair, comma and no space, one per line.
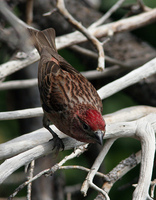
(59,83)
(50,93)
(62,87)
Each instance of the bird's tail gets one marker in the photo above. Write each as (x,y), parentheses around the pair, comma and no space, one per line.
(41,39)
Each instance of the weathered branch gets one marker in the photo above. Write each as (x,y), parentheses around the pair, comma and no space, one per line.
(30,176)
(128,24)
(29,12)
(121,169)
(18,84)
(18,25)
(40,136)
(50,171)
(98,45)
(146,135)
(131,78)
(126,114)
(124,123)
(116,130)
(107,14)
(89,179)
(20,114)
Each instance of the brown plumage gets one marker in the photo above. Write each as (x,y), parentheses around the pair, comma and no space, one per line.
(68,99)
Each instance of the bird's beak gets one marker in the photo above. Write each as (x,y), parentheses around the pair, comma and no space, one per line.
(99,136)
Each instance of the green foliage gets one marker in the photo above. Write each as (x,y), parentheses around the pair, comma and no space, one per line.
(123,147)
(10,128)
(72,59)
(106,5)
(117,102)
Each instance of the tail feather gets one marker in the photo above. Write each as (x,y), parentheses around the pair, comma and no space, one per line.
(41,39)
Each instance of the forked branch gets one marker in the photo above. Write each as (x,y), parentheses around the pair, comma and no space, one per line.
(98,45)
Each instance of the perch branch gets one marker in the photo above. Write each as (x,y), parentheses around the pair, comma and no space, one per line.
(40,136)
(146,135)
(115,130)
(13,163)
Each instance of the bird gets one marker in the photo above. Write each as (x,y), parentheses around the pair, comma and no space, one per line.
(68,99)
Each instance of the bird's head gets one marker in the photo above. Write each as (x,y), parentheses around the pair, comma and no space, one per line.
(88,126)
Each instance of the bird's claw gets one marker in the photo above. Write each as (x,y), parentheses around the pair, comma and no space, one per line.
(57,144)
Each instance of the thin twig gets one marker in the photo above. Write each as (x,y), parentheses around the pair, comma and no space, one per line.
(107,14)
(50,13)
(98,45)
(95,55)
(29,11)
(85,169)
(142,6)
(53,169)
(30,176)
(153,185)
(89,179)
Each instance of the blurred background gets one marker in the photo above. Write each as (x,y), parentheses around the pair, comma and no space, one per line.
(135,48)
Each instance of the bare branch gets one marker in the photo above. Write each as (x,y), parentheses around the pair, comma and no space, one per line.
(121,169)
(98,45)
(129,114)
(24,149)
(94,55)
(130,23)
(153,185)
(15,65)
(18,84)
(53,169)
(89,179)
(29,11)
(20,114)
(40,136)
(18,25)
(107,14)
(131,78)
(30,176)
(142,5)
(105,177)
(146,135)
(114,130)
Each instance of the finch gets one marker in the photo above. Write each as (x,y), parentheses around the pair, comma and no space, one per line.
(68,99)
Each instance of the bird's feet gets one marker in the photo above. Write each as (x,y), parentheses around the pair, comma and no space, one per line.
(57,143)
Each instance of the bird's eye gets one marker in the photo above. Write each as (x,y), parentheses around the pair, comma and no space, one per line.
(85,126)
